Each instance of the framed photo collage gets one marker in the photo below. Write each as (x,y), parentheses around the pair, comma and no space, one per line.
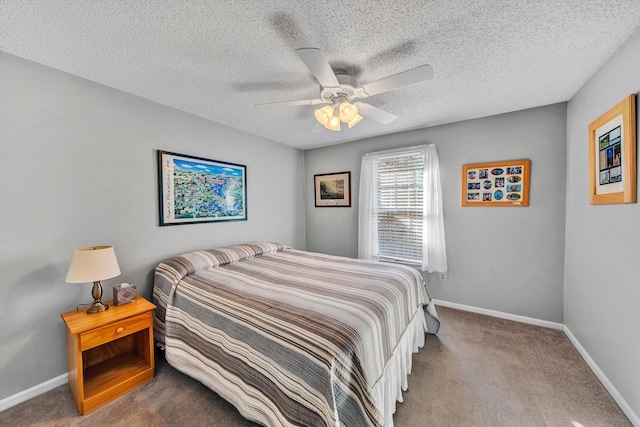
(496,184)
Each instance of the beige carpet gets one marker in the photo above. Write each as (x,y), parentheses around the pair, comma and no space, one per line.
(478,371)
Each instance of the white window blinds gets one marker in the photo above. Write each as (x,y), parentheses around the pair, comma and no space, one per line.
(400,206)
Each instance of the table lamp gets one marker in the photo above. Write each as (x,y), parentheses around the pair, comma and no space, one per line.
(93,264)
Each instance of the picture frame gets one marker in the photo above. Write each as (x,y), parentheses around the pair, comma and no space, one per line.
(496,183)
(612,155)
(194,190)
(333,190)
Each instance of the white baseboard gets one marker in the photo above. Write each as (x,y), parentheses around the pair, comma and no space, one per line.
(32,392)
(501,315)
(633,417)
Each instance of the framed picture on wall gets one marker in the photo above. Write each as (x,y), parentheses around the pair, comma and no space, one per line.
(496,184)
(333,189)
(612,155)
(194,190)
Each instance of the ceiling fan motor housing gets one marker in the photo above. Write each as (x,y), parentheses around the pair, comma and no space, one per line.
(346,91)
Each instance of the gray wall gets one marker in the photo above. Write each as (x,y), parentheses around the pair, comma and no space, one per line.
(602,268)
(500,258)
(78,168)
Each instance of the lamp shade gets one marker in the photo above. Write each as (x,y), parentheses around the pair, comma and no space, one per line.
(92,264)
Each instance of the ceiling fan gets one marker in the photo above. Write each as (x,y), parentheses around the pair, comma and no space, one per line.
(339,90)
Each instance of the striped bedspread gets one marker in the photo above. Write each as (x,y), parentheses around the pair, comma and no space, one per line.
(293,338)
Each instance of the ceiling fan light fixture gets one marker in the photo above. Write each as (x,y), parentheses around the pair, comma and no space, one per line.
(348,112)
(338,88)
(354,121)
(324,114)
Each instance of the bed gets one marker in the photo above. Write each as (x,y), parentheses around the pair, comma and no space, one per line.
(294,338)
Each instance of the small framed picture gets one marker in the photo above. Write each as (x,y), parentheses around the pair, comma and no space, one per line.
(612,155)
(333,190)
(496,184)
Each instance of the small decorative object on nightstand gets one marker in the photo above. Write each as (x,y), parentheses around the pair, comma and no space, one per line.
(109,353)
(124,293)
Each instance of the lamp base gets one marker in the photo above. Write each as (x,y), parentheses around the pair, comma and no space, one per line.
(97,307)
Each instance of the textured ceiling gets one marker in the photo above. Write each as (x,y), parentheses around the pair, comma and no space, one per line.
(216,59)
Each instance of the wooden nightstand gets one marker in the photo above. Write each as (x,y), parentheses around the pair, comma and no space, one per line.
(109,353)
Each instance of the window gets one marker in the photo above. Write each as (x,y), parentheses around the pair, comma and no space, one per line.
(400,216)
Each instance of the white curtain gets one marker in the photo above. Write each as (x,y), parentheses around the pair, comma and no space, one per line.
(368,208)
(434,253)
(434,250)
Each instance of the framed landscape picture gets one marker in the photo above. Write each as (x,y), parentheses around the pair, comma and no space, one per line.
(496,184)
(333,189)
(612,155)
(195,190)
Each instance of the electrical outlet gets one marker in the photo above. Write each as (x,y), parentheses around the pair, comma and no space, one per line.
(443,277)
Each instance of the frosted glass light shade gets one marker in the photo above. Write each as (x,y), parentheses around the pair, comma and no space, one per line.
(354,121)
(92,264)
(324,114)
(348,112)
(334,123)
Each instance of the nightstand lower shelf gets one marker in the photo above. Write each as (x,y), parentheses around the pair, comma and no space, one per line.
(114,377)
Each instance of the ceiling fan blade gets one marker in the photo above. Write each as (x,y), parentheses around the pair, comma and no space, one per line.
(316,62)
(368,110)
(292,103)
(395,81)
